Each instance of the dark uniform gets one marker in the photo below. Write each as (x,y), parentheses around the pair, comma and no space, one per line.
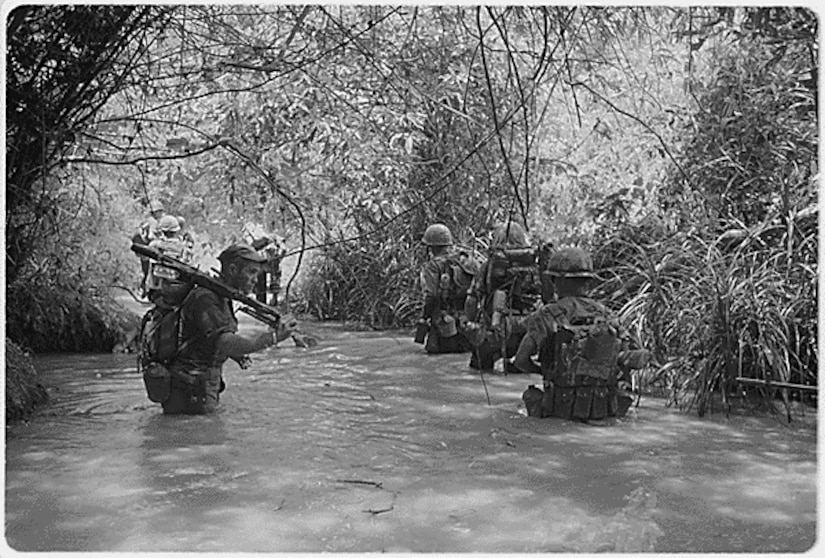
(584,353)
(443,295)
(501,296)
(208,337)
(196,371)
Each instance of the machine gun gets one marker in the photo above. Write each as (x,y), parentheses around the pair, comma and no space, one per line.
(185,272)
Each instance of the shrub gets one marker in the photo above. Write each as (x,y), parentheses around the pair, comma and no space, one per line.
(23,388)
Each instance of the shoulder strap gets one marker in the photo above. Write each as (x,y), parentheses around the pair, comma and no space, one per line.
(179,310)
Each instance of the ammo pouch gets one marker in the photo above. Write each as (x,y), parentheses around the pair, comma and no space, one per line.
(539,403)
(588,399)
(532,400)
(158,382)
(601,402)
(586,402)
(564,399)
(193,384)
(583,402)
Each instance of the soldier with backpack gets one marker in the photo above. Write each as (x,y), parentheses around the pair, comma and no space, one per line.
(161,283)
(444,279)
(584,353)
(506,289)
(183,346)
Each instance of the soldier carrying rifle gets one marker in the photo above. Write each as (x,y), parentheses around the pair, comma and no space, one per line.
(183,346)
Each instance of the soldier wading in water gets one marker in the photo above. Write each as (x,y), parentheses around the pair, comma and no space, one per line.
(445,278)
(583,351)
(190,382)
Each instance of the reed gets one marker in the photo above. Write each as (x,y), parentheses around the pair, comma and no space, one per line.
(714,308)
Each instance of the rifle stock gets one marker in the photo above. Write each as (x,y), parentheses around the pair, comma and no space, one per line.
(258,310)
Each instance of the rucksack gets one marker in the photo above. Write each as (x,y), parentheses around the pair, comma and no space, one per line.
(460,269)
(586,343)
(583,368)
(515,272)
(580,367)
(159,344)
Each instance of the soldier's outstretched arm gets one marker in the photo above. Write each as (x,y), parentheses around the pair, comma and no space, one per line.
(237,346)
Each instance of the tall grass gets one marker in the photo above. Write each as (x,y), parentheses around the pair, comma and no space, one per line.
(716,308)
(363,283)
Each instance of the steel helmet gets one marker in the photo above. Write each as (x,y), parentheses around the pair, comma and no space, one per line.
(168,223)
(571,262)
(438,235)
(510,234)
(155,206)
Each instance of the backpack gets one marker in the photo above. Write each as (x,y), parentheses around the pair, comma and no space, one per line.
(586,342)
(460,269)
(582,371)
(159,344)
(515,272)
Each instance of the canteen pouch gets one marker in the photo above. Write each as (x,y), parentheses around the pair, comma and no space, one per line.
(563,400)
(421,330)
(533,397)
(612,401)
(583,402)
(158,382)
(623,403)
(599,410)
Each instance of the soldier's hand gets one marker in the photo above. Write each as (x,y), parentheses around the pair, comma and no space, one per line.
(286,327)
(243,361)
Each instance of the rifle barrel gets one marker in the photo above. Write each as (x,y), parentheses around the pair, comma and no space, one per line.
(770,384)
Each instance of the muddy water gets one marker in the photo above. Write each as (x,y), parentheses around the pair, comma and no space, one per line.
(365,444)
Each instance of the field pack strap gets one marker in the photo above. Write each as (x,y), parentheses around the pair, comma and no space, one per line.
(210,335)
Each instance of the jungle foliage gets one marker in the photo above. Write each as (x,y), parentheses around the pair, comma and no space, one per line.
(23,388)
(679,144)
(729,289)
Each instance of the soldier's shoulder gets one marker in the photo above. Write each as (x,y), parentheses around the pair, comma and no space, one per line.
(201,296)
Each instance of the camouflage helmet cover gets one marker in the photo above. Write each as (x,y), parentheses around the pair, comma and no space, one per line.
(168,223)
(571,262)
(510,234)
(437,235)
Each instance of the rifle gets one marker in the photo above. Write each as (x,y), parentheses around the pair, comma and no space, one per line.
(258,310)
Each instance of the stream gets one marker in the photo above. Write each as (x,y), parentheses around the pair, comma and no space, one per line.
(367,444)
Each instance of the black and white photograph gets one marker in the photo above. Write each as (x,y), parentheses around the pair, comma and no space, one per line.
(503,279)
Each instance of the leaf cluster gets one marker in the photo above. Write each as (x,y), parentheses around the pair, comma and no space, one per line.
(726,285)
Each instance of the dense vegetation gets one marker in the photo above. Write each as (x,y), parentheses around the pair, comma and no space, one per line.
(678,144)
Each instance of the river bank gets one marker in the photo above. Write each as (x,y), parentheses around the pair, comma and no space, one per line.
(24,389)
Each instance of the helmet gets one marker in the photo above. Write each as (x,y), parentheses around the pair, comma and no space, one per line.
(571,262)
(437,235)
(168,223)
(181,221)
(155,206)
(509,234)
